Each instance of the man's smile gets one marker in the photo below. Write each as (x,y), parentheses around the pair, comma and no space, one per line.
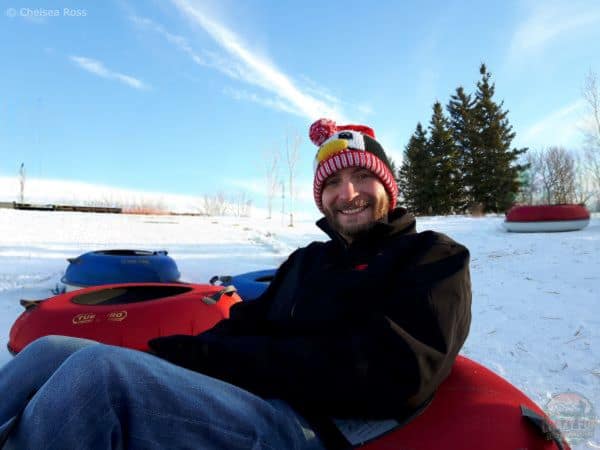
(354,210)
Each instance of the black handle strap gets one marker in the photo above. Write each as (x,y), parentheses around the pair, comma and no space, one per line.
(212,299)
(223,279)
(544,427)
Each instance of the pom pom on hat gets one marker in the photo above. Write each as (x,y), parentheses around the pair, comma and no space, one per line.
(323,129)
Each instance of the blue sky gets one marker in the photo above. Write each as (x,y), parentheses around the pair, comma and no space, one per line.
(185,97)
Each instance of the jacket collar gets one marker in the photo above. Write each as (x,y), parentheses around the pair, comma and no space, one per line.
(398,221)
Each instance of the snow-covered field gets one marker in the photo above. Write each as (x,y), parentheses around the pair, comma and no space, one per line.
(536,297)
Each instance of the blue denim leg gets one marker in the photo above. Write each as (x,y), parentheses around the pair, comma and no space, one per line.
(105,397)
(31,368)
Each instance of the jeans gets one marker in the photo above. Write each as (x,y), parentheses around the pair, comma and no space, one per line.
(86,395)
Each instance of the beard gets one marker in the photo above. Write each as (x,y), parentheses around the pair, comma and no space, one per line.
(352,226)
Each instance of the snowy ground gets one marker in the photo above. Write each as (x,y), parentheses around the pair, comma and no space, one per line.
(536,297)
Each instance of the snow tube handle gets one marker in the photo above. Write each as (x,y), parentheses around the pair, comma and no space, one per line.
(212,299)
(29,304)
(224,279)
(543,426)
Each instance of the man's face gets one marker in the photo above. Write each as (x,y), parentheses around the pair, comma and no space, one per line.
(353,200)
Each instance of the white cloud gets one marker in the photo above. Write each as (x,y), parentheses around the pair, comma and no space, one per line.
(246,65)
(177,40)
(561,127)
(98,68)
(549,21)
(227,66)
(274,103)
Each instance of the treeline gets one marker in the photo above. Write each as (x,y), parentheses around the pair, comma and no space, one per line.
(557,175)
(463,161)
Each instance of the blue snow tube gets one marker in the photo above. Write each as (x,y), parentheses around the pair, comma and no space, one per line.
(249,285)
(120,266)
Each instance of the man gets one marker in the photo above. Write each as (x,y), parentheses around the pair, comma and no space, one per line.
(362,327)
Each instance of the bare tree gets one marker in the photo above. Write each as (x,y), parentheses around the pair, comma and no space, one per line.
(591,95)
(584,191)
(215,205)
(272,158)
(22,179)
(241,204)
(282,201)
(554,177)
(143,205)
(292,146)
(560,170)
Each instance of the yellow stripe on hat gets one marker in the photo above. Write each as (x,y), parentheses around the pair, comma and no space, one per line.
(331,148)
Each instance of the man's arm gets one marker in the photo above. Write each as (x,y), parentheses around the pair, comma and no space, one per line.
(394,357)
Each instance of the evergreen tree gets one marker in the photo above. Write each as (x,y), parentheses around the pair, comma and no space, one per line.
(446,174)
(416,181)
(468,160)
(493,169)
(465,132)
(396,172)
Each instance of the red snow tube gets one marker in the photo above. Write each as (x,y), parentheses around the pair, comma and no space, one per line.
(127,315)
(542,218)
(475,409)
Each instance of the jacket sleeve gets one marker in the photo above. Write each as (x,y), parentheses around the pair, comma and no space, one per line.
(392,359)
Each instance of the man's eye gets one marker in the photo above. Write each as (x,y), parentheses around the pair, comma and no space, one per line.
(331,182)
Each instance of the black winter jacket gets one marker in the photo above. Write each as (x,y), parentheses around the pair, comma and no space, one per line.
(367,330)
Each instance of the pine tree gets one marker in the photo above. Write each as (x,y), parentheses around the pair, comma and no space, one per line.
(395,172)
(393,167)
(493,169)
(416,181)
(465,132)
(447,183)
(490,172)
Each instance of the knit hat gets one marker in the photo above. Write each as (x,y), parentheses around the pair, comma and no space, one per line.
(342,146)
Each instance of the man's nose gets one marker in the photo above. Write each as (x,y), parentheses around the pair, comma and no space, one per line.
(347,191)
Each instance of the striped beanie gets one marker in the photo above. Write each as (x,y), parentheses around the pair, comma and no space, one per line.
(342,146)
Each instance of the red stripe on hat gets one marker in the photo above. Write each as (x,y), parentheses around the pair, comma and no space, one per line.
(344,160)
(319,177)
(323,172)
(338,162)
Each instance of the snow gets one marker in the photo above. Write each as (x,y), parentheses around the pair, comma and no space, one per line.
(536,297)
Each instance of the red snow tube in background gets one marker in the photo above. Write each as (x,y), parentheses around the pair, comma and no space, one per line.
(538,213)
(475,409)
(127,315)
(547,218)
